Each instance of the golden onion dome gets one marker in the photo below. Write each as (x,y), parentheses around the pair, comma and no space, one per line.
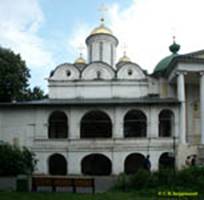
(102,29)
(124,58)
(80,60)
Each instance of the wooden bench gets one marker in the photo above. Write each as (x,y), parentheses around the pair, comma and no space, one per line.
(53,182)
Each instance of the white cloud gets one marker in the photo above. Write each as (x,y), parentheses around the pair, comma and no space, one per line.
(20,21)
(147,28)
(77,39)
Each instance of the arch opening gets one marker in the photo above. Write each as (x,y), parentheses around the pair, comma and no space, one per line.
(57,165)
(135,124)
(96,164)
(58,126)
(96,124)
(133,163)
(167,161)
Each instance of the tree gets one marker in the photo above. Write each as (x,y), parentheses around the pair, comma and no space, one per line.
(15,160)
(14,76)
(34,94)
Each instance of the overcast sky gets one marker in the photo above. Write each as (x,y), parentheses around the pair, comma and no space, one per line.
(48,32)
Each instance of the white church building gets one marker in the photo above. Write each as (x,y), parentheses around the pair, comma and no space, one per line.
(104,116)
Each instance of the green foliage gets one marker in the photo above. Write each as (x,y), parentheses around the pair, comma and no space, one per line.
(15,160)
(192,177)
(34,94)
(189,179)
(140,179)
(123,181)
(14,76)
(22,184)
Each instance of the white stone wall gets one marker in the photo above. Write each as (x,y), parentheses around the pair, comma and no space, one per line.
(98,89)
(136,72)
(117,159)
(30,127)
(61,73)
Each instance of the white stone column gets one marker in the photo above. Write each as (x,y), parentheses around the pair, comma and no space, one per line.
(74,124)
(74,163)
(153,124)
(117,163)
(202,106)
(182,113)
(118,124)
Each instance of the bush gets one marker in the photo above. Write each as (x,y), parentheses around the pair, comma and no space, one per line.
(190,179)
(22,184)
(140,179)
(15,160)
(123,181)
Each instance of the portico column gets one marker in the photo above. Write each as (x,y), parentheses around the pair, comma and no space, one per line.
(202,106)
(182,113)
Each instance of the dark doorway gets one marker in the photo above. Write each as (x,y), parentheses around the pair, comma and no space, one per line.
(133,163)
(58,127)
(167,161)
(96,164)
(57,165)
(96,124)
(135,124)
(165,123)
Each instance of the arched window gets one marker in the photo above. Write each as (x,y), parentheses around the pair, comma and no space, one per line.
(167,161)
(58,127)
(133,163)
(166,118)
(96,164)
(57,165)
(96,124)
(135,124)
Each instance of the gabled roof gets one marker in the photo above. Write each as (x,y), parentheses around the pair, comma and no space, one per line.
(196,54)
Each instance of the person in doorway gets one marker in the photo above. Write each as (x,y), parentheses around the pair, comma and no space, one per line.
(193,161)
(147,163)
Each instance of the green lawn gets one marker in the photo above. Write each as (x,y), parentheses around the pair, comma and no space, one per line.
(115,195)
(70,196)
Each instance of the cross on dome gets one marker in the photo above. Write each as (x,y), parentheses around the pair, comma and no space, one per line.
(80,60)
(81,48)
(103,9)
(124,58)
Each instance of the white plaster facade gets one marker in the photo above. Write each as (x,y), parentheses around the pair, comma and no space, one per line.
(76,89)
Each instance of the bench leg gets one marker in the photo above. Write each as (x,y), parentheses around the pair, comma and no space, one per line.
(34,187)
(93,186)
(74,189)
(53,189)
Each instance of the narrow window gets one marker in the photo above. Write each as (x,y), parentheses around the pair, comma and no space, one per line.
(58,127)
(165,123)
(101,51)
(112,55)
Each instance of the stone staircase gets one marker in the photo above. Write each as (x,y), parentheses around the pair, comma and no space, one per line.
(200,156)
